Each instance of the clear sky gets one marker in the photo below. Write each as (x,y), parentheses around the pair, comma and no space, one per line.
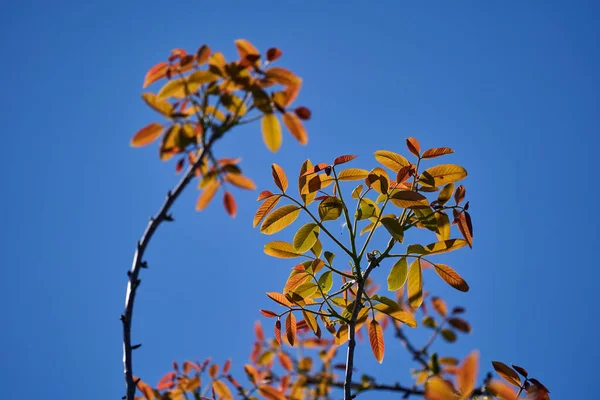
(512,86)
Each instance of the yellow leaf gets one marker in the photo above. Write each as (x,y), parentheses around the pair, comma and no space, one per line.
(282,76)
(199,78)
(398,275)
(296,128)
(306,237)
(437,247)
(147,135)
(311,321)
(302,179)
(443,226)
(279,219)
(391,160)
(271,130)
(210,110)
(376,340)
(178,88)
(415,284)
(451,277)
(245,48)
(352,174)
(280,249)
(392,309)
(279,177)
(341,336)
(158,104)
(207,195)
(437,388)
(441,175)
(467,374)
(264,209)
(222,390)
(408,199)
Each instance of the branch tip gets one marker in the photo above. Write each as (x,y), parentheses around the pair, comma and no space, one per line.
(136,346)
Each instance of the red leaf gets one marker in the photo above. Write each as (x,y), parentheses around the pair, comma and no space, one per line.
(303,113)
(230,205)
(258,331)
(273,54)
(155,73)
(315,169)
(203,54)
(265,194)
(343,159)
(278,331)
(179,166)
(413,145)
(166,382)
(268,313)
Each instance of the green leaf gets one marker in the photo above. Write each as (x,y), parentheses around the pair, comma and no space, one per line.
(306,237)
(326,281)
(426,218)
(448,335)
(279,219)
(317,248)
(398,275)
(415,284)
(442,174)
(330,209)
(367,209)
(280,249)
(329,256)
(393,227)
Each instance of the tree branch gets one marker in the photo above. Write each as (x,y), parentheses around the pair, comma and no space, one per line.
(396,387)
(417,355)
(138,264)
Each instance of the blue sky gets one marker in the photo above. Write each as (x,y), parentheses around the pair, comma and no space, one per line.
(513,87)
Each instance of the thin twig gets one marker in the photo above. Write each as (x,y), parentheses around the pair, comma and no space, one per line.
(396,387)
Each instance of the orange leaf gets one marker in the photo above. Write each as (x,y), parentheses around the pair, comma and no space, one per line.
(467,374)
(146,390)
(147,135)
(278,331)
(437,388)
(507,373)
(501,390)
(226,366)
(273,54)
(207,195)
(258,331)
(264,209)
(451,277)
(230,206)
(268,313)
(155,73)
(282,76)
(376,340)
(240,181)
(440,306)
(279,298)
(294,125)
(440,151)
(279,177)
(290,328)
(285,361)
(166,382)
(465,227)
(270,393)
(222,390)
(291,92)
(343,159)
(245,48)
(203,54)
(265,194)
(413,146)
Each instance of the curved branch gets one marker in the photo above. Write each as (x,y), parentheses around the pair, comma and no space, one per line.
(138,263)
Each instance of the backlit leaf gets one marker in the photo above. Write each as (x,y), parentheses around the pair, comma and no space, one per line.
(507,373)
(240,181)
(366,209)
(207,195)
(465,227)
(415,284)
(279,219)
(199,78)
(352,174)
(158,104)
(281,250)
(311,321)
(268,313)
(442,174)
(279,177)
(230,206)
(466,376)
(178,88)
(278,331)
(296,128)
(330,209)
(376,340)
(280,298)
(306,237)
(296,279)
(285,361)
(408,199)
(437,247)
(501,390)
(413,146)
(222,390)
(357,191)
(393,309)
(440,306)
(398,275)
(307,198)
(147,135)
(155,73)
(343,159)
(203,54)
(437,388)
(391,160)
(245,48)
(264,209)
(393,227)
(273,54)
(282,76)
(445,194)
(451,277)
(270,393)
(443,226)
(290,328)
(271,130)
(459,194)
(436,152)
